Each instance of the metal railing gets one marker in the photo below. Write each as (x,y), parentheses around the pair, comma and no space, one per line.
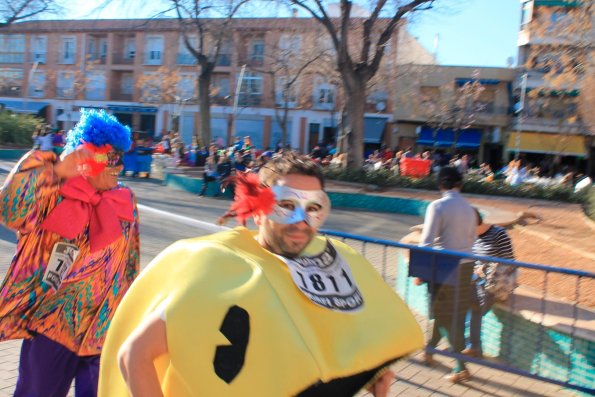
(122,59)
(534,333)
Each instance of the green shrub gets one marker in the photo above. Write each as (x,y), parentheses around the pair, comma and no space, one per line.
(589,202)
(474,185)
(17,129)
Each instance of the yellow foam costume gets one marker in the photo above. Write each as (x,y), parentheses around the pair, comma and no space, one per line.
(279,343)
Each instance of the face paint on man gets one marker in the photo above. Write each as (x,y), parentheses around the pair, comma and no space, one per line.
(294,205)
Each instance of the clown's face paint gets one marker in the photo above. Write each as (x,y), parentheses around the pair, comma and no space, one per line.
(294,205)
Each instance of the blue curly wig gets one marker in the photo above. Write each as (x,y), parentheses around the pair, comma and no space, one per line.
(98,128)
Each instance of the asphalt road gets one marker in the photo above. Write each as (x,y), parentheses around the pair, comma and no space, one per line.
(178,212)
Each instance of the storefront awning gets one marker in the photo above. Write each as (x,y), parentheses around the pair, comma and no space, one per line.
(23,106)
(444,138)
(538,142)
(132,109)
(470,138)
(374,129)
(426,137)
(463,80)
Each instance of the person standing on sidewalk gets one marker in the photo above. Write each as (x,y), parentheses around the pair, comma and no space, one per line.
(450,224)
(492,282)
(77,254)
(275,312)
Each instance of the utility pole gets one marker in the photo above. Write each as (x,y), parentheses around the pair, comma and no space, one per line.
(519,111)
(236,98)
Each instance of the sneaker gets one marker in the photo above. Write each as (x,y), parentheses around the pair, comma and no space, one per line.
(429,359)
(472,352)
(458,377)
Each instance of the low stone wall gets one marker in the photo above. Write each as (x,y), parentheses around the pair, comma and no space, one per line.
(12,154)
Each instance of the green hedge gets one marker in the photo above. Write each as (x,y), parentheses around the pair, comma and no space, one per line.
(17,129)
(385,178)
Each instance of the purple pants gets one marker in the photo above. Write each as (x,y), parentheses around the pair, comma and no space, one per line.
(47,369)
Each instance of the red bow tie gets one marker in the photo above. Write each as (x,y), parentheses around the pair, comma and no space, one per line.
(82,205)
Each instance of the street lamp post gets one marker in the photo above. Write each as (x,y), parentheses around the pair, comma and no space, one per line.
(519,111)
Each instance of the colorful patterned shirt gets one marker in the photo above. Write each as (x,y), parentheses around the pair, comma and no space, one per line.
(78,314)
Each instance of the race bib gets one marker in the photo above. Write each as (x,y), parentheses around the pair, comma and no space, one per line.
(326,280)
(62,258)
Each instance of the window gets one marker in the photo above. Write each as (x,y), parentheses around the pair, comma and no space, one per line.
(290,43)
(68,50)
(185,57)
(127,84)
(129,48)
(257,50)
(12,48)
(65,85)
(221,90)
(39,49)
(37,84)
(95,87)
(154,50)
(11,81)
(526,13)
(286,96)
(187,86)
(324,96)
(224,58)
(251,90)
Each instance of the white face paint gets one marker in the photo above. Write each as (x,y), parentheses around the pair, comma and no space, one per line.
(294,205)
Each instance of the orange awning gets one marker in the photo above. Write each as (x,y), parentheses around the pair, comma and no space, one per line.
(539,142)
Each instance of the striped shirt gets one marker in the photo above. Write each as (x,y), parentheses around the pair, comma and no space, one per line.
(500,278)
(494,242)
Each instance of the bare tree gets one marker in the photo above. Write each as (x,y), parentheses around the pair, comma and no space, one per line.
(290,62)
(12,11)
(204,37)
(359,38)
(161,87)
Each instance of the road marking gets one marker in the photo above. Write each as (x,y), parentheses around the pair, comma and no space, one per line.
(210,227)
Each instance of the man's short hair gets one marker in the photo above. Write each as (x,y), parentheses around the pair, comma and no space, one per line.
(449,178)
(288,164)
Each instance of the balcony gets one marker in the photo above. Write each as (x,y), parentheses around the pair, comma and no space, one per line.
(12,57)
(13,91)
(122,96)
(223,60)
(186,59)
(253,61)
(96,58)
(40,57)
(65,92)
(123,59)
(67,58)
(250,99)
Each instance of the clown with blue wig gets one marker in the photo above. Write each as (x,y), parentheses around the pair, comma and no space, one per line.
(77,254)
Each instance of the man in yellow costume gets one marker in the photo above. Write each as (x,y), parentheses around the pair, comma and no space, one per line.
(277,312)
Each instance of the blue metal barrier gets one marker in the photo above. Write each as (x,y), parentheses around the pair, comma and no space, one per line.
(559,353)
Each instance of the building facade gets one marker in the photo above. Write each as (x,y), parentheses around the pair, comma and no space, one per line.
(555,45)
(142,71)
(454,109)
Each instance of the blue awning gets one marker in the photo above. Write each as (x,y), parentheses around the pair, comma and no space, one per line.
(23,106)
(374,129)
(132,109)
(470,138)
(463,80)
(444,138)
(426,137)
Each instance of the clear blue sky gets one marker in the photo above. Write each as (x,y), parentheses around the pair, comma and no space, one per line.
(471,32)
(475,32)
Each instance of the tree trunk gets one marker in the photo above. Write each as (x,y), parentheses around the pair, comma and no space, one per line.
(355,107)
(204,100)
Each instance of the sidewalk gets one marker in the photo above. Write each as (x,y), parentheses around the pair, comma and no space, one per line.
(413,378)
